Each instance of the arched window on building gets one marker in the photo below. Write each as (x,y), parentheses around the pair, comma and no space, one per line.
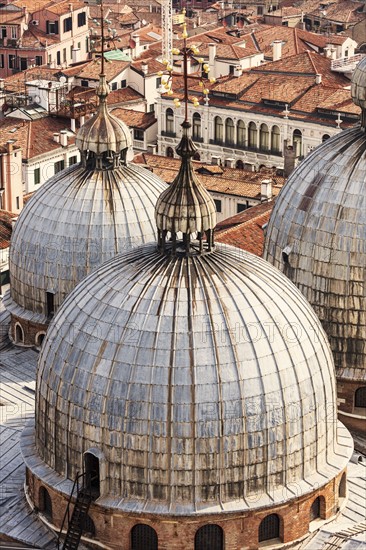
(264,137)
(143,537)
(269,528)
(169,121)
(275,139)
(19,334)
(219,130)
(45,503)
(315,509)
(197,156)
(252,135)
(297,142)
(240,134)
(325,137)
(229,132)
(240,164)
(209,537)
(169,152)
(196,127)
(360,397)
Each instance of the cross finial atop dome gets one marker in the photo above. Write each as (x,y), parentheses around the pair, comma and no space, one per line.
(358,89)
(104,139)
(185,212)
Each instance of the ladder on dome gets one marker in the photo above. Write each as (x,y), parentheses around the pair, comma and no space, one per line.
(76,521)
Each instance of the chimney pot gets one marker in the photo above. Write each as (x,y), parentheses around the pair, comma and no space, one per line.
(266,189)
(318,79)
(63,138)
(277,50)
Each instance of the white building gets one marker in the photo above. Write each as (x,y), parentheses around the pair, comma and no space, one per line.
(251,117)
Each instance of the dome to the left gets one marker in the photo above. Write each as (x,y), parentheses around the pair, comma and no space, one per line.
(75,222)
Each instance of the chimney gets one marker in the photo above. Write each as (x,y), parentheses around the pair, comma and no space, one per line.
(70,7)
(289,158)
(2,84)
(144,67)
(266,190)
(318,79)
(56,137)
(151,148)
(82,121)
(211,58)
(73,125)
(277,50)
(75,55)
(10,145)
(136,39)
(327,51)
(63,138)
(238,71)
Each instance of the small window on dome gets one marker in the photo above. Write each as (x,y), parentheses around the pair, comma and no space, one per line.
(143,537)
(209,537)
(360,397)
(269,528)
(50,300)
(45,502)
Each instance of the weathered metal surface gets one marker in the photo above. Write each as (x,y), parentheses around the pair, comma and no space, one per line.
(320,217)
(186,206)
(358,89)
(103,132)
(206,381)
(75,222)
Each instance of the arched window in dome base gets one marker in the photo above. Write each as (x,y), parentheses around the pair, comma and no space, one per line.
(40,336)
(269,528)
(45,502)
(360,398)
(169,152)
(209,537)
(143,537)
(19,334)
(88,526)
(92,473)
(317,509)
(342,489)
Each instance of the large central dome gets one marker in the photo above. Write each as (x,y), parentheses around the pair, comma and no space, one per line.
(198,378)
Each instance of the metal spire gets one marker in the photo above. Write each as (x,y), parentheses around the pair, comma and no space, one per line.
(185,213)
(104,139)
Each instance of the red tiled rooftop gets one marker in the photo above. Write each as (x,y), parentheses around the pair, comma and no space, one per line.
(245,230)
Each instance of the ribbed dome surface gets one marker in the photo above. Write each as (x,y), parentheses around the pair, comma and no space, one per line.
(200,380)
(103,132)
(319,219)
(75,222)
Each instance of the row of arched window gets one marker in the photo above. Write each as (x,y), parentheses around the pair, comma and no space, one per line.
(207,537)
(240,135)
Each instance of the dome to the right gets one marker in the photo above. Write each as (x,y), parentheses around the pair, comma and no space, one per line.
(317,237)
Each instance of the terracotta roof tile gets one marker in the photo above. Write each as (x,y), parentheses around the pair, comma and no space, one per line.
(34,137)
(245,230)
(124,95)
(91,70)
(6,228)
(135,119)
(230,181)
